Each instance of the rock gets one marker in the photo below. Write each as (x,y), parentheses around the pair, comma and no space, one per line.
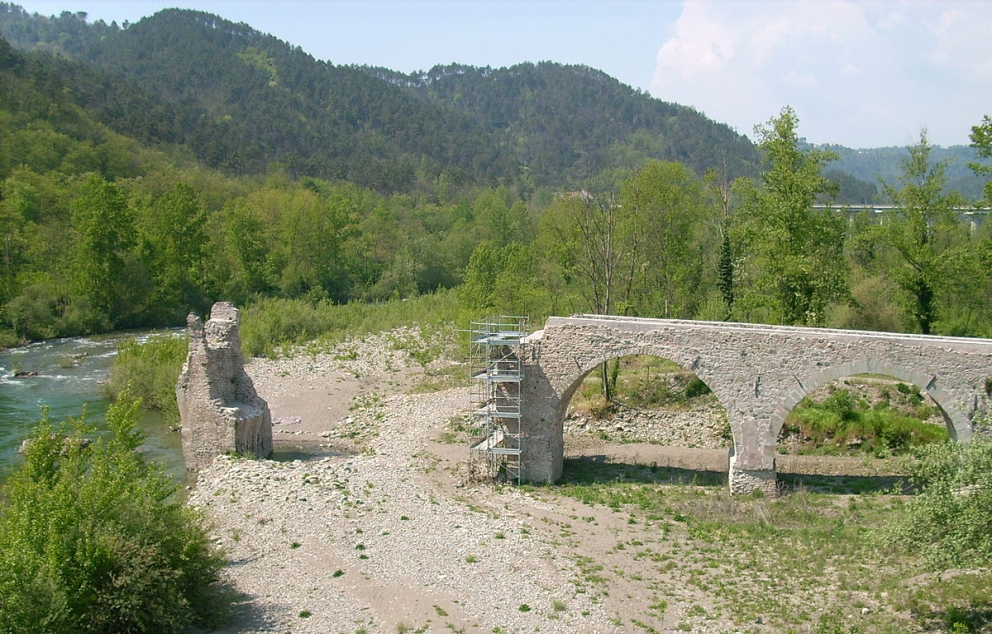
(67,444)
(219,409)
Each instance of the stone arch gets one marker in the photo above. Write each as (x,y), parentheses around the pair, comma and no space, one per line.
(688,360)
(958,425)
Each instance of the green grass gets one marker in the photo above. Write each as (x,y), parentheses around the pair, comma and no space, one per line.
(270,323)
(844,422)
(149,371)
(795,562)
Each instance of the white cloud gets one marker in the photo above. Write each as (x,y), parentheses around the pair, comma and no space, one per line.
(859,73)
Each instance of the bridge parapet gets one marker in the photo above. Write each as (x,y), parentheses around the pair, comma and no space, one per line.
(757,372)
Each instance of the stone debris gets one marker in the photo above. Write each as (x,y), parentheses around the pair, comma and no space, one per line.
(371,541)
(703,427)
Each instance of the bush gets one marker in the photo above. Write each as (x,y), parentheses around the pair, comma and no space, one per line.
(149,371)
(93,539)
(842,422)
(950,521)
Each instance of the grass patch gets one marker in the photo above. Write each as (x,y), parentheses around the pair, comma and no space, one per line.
(149,371)
(793,563)
(268,324)
(847,421)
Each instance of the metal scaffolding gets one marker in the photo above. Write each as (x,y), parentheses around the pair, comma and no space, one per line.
(495,357)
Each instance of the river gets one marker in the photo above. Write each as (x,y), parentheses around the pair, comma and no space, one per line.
(66,376)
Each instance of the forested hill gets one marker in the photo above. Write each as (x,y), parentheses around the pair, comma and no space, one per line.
(247,99)
(575,120)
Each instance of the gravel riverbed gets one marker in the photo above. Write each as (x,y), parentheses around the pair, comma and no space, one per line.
(390,538)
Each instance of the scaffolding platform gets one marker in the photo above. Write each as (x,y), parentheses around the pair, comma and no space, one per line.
(496,367)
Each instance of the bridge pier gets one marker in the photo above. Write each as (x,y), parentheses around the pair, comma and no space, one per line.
(542,429)
(745,481)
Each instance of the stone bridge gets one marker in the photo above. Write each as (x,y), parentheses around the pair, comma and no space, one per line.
(758,373)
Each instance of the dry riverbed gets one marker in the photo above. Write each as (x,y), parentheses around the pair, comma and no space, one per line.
(391,537)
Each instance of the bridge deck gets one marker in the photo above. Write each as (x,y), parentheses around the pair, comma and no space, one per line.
(643,324)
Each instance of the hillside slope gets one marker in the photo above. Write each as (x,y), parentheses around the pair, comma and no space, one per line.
(252,100)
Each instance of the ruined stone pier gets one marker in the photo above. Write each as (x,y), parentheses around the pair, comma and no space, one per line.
(219,408)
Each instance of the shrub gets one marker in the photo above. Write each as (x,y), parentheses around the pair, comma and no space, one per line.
(93,539)
(842,422)
(149,371)
(950,521)
(270,323)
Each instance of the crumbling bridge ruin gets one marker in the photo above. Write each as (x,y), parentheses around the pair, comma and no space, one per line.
(219,408)
(758,373)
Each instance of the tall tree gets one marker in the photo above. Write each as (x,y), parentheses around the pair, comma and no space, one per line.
(981,140)
(173,239)
(719,187)
(793,253)
(105,231)
(15,200)
(922,228)
(664,205)
(598,244)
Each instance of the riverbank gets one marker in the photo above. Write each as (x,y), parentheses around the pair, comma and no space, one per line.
(388,538)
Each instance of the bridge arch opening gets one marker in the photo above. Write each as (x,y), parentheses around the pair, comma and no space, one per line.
(849,425)
(659,413)
(923,387)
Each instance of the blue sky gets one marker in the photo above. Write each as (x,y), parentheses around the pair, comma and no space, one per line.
(858,73)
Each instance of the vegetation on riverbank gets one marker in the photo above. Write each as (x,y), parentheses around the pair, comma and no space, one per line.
(95,539)
(148,371)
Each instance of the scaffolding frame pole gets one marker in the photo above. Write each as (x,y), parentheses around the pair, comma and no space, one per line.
(496,366)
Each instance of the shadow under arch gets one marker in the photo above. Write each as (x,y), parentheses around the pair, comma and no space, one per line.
(685,359)
(957,423)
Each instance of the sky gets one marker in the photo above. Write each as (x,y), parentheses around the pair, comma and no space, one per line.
(858,73)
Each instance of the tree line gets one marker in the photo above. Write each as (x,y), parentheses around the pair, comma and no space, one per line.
(104,231)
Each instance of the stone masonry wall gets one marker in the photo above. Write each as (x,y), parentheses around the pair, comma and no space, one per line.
(219,408)
(758,373)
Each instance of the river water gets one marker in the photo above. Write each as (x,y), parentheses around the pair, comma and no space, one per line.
(66,376)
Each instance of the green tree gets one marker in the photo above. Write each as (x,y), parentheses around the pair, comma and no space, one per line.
(664,208)
(922,229)
(500,280)
(598,245)
(15,228)
(95,540)
(719,187)
(243,253)
(981,140)
(173,236)
(791,254)
(104,232)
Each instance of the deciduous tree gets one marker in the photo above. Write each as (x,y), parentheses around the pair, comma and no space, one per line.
(792,253)
(173,239)
(104,228)
(921,228)
(981,140)
(664,208)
